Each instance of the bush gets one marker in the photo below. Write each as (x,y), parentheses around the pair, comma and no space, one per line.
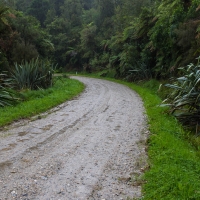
(7,97)
(184,101)
(139,72)
(33,75)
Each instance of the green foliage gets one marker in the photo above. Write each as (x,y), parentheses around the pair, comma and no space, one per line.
(3,62)
(22,5)
(7,96)
(184,101)
(3,13)
(23,51)
(38,9)
(33,75)
(160,35)
(6,34)
(22,38)
(32,41)
(94,62)
(65,38)
(187,40)
(72,10)
(139,72)
(91,15)
(88,43)
(128,59)
(106,8)
(174,164)
(40,101)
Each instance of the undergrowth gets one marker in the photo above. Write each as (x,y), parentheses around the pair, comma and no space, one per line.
(39,101)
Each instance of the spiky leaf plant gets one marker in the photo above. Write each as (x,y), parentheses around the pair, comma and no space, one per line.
(184,100)
(7,97)
(139,72)
(33,75)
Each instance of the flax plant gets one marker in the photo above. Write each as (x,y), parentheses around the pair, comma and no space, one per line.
(184,101)
(33,75)
(7,96)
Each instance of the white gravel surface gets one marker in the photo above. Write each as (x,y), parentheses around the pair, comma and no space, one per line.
(90,148)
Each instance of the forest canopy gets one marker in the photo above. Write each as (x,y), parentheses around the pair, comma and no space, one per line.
(136,39)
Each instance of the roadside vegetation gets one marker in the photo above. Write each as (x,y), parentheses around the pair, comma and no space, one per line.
(34,102)
(174,162)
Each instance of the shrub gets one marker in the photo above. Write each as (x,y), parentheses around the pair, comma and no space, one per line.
(139,72)
(184,101)
(7,97)
(33,75)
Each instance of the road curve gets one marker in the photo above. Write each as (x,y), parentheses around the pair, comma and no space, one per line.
(89,148)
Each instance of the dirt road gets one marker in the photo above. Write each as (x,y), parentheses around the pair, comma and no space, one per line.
(87,149)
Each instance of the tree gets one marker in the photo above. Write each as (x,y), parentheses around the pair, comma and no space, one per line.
(72,11)
(107,9)
(30,41)
(38,9)
(88,43)
(87,4)
(6,34)
(22,5)
(3,14)
(60,32)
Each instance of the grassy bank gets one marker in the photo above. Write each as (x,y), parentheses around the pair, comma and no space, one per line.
(174,163)
(41,100)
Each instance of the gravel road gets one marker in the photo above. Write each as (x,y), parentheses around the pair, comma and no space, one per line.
(89,148)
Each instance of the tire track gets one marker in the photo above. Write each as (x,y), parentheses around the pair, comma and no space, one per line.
(84,150)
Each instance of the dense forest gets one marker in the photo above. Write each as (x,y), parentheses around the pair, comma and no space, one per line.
(136,39)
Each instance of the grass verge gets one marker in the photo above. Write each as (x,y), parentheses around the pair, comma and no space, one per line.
(174,164)
(41,100)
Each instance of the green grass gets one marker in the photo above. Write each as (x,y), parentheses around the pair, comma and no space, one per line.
(174,163)
(41,100)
